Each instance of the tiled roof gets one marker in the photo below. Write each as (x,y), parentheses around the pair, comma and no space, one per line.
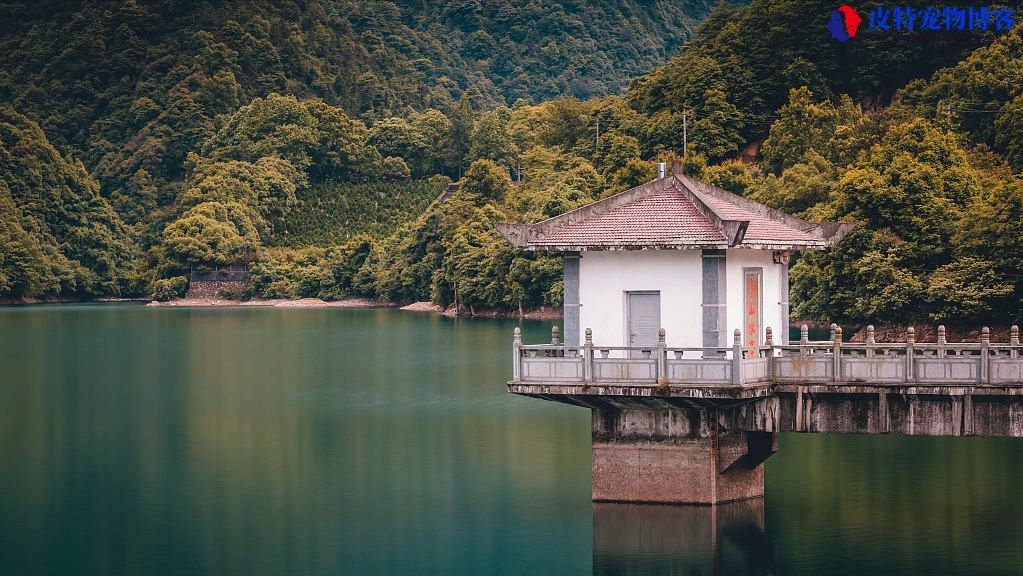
(762,229)
(674,212)
(665,217)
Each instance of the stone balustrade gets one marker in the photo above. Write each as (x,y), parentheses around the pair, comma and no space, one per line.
(804,362)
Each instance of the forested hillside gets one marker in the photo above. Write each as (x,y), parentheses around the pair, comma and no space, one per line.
(505,50)
(308,140)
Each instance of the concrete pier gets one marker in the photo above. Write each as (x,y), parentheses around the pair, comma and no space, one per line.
(681,456)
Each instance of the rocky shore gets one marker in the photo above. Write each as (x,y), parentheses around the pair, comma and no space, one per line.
(283,303)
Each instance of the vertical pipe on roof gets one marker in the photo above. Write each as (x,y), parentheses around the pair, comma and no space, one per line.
(662,169)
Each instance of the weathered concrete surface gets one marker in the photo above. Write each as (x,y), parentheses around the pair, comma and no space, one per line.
(682,456)
(638,396)
(911,410)
(842,407)
(666,539)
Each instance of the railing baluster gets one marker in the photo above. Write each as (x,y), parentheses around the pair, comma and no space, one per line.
(836,364)
(588,357)
(985,355)
(910,342)
(517,355)
(661,357)
(737,358)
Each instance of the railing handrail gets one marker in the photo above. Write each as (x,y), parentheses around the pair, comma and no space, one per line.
(831,359)
(667,348)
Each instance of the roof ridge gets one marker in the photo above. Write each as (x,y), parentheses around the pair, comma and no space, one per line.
(714,218)
(521,234)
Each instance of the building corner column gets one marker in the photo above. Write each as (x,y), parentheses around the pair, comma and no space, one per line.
(571,299)
(715,318)
(784,273)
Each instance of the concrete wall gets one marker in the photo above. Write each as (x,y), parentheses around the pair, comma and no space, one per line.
(605,277)
(211,289)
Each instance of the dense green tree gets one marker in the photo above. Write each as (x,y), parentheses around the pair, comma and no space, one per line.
(397,137)
(490,140)
(340,143)
(24,270)
(276,126)
(265,188)
(716,130)
(614,152)
(563,122)
(211,233)
(434,129)
(484,182)
(78,245)
(463,123)
(802,190)
(733,176)
(476,267)
(982,96)
(803,126)
(908,199)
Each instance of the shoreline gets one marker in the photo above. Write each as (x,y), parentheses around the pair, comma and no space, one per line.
(538,313)
(278,302)
(888,332)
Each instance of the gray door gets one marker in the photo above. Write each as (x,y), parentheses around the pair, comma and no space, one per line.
(644,319)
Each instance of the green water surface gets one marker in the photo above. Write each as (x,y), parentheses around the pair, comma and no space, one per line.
(158,441)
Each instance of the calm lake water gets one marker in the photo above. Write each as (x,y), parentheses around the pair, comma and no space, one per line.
(162,441)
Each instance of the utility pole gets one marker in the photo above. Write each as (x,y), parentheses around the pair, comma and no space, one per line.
(597,143)
(685,135)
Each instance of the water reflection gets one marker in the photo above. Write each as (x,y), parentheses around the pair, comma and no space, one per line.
(661,539)
(262,441)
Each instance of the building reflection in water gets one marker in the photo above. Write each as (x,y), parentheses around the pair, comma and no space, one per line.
(665,539)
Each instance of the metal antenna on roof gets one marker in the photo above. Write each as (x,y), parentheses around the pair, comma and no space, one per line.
(597,143)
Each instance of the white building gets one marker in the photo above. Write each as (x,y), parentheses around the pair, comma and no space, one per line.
(678,254)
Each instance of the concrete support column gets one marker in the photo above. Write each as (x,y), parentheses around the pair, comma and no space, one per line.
(680,456)
(571,283)
(715,331)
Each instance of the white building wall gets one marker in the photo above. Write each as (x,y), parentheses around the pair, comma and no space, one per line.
(735,261)
(605,277)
